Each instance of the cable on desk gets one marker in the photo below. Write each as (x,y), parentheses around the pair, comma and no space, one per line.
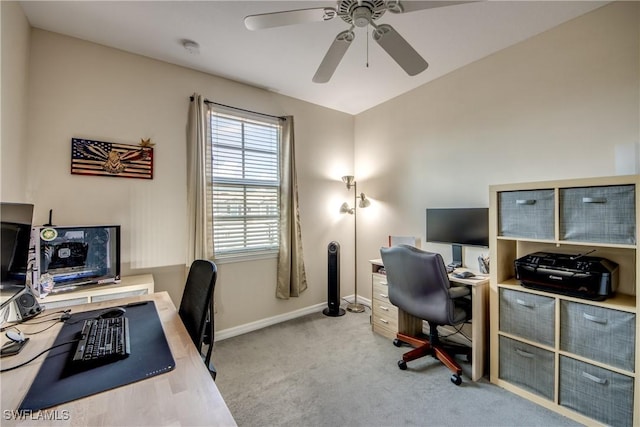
(12,324)
(37,355)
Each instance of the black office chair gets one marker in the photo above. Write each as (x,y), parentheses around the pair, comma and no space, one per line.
(196,307)
(419,285)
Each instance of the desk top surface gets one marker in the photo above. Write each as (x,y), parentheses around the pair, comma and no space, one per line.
(185,396)
(478,280)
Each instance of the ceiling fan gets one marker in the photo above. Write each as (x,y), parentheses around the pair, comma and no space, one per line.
(356,13)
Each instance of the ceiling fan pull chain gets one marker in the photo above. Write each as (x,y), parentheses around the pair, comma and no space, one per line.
(367,37)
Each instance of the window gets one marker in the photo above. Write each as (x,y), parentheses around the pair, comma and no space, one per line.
(245,178)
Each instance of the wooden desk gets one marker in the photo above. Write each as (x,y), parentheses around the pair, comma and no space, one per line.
(388,320)
(186,396)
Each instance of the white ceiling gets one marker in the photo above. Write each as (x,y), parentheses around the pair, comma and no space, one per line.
(284,59)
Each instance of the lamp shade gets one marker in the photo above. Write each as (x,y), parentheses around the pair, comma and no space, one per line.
(349,180)
(364,202)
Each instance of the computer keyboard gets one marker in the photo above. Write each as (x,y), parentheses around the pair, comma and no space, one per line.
(103,341)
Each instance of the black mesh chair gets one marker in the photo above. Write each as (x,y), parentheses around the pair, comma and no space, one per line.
(196,307)
(419,285)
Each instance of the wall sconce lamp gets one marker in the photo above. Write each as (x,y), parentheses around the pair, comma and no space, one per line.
(345,208)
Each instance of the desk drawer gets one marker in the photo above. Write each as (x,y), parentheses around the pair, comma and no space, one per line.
(387,319)
(382,307)
(385,331)
(380,292)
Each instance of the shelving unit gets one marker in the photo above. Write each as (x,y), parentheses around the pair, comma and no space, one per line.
(576,356)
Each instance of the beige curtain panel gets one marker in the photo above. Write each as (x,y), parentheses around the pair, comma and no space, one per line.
(199,215)
(292,279)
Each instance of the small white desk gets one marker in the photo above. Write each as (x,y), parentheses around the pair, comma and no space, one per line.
(142,284)
(387,323)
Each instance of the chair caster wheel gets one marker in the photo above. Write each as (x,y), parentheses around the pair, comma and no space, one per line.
(402,365)
(397,343)
(456,379)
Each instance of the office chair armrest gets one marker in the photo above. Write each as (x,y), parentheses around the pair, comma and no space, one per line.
(459,291)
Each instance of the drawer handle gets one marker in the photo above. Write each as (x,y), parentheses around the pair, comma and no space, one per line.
(386,322)
(526,202)
(384,283)
(382,307)
(524,353)
(594,200)
(384,295)
(595,379)
(594,319)
(524,303)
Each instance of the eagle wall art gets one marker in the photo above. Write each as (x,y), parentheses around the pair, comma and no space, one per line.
(112,159)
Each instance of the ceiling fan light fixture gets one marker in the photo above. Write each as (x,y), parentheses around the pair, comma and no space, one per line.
(361,16)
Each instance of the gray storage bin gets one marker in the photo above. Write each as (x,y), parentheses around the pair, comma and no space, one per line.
(598,393)
(598,214)
(598,333)
(528,316)
(526,366)
(527,214)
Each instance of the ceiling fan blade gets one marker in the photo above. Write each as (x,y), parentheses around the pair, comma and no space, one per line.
(290,17)
(333,56)
(399,49)
(398,6)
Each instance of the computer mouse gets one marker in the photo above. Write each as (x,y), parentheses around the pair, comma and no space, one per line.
(463,275)
(113,312)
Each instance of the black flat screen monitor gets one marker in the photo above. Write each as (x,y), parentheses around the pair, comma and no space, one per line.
(458,227)
(15,237)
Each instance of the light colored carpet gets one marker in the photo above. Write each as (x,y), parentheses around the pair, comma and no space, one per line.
(334,371)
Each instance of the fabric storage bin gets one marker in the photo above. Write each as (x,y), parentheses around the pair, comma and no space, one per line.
(598,333)
(598,214)
(528,316)
(526,366)
(596,392)
(528,213)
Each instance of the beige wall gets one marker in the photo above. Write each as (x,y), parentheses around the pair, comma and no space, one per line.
(559,105)
(13,110)
(80,89)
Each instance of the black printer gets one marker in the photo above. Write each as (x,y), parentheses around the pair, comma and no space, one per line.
(580,276)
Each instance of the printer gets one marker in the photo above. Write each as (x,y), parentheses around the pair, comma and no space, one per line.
(580,276)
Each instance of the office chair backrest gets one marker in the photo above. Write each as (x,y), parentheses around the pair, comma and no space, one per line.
(418,283)
(196,299)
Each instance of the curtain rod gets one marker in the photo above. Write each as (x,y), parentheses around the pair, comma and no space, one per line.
(206,101)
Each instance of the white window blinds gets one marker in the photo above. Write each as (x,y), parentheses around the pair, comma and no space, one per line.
(245,178)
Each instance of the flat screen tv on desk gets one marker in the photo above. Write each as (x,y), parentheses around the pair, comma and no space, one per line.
(458,227)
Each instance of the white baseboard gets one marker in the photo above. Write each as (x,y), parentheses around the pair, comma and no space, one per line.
(263,323)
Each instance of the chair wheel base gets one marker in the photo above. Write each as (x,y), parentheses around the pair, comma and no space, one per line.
(397,343)
(456,379)
(402,365)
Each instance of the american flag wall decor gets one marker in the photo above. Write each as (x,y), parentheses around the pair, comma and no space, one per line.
(111,159)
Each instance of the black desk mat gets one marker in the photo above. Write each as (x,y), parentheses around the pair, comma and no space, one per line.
(57,383)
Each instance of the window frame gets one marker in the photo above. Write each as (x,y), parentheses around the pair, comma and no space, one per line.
(245,185)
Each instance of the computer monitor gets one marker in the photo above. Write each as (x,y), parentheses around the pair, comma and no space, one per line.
(15,237)
(458,227)
(73,256)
